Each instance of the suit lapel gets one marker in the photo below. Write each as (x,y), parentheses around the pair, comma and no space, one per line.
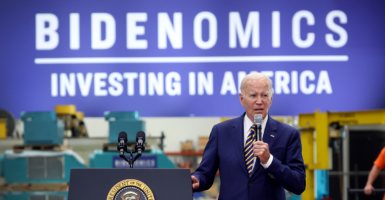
(237,137)
(268,137)
(270,134)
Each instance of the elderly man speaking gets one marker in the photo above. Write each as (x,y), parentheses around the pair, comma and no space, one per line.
(251,169)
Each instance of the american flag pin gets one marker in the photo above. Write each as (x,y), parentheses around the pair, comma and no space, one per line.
(271,135)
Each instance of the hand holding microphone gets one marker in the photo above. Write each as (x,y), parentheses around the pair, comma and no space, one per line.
(260,149)
(258,126)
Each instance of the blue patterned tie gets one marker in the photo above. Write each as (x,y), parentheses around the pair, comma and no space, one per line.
(249,156)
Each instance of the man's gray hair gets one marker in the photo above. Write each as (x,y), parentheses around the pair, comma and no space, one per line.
(256,76)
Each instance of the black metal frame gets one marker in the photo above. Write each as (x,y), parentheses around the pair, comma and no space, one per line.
(350,190)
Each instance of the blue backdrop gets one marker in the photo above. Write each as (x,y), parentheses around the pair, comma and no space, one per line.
(185,58)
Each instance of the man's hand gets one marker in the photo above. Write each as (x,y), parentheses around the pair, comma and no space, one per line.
(261,150)
(195,182)
(368,189)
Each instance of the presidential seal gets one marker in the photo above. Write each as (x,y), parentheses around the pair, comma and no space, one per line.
(130,189)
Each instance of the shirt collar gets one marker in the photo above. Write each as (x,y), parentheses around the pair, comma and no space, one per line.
(248,123)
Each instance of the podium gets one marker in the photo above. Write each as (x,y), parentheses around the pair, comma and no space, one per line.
(141,184)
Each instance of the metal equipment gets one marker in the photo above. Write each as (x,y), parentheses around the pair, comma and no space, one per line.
(42,128)
(39,166)
(128,122)
(73,120)
(38,174)
(350,190)
(3,128)
(7,118)
(322,132)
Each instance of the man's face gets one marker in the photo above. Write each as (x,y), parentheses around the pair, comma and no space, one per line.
(256,98)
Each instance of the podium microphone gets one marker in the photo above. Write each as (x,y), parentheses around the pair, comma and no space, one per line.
(140,139)
(258,126)
(122,145)
(122,139)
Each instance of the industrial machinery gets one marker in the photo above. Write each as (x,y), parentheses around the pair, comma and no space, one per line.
(130,123)
(339,149)
(7,124)
(38,174)
(81,130)
(73,121)
(33,166)
(42,128)
(3,128)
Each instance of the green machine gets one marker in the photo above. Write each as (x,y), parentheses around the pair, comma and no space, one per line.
(130,123)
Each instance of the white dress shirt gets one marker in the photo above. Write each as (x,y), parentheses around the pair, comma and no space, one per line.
(247,123)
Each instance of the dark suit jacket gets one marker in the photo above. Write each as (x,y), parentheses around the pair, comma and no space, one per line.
(224,151)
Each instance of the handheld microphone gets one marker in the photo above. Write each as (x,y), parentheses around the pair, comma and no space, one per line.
(140,139)
(258,125)
(122,139)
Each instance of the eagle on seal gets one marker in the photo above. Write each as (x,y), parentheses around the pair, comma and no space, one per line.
(130,195)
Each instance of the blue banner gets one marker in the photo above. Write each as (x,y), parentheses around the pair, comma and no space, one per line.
(142,162)
(187,58)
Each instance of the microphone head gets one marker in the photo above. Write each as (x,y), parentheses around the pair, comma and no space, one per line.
(140,134)
(258,119)
(122,135)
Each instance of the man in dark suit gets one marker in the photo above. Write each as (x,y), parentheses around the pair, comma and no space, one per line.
(232,150)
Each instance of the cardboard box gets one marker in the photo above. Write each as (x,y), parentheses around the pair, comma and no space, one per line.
(187,146)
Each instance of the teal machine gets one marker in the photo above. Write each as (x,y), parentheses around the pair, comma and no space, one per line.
(39,166)
(130,123)
(35,166)
(42,128)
